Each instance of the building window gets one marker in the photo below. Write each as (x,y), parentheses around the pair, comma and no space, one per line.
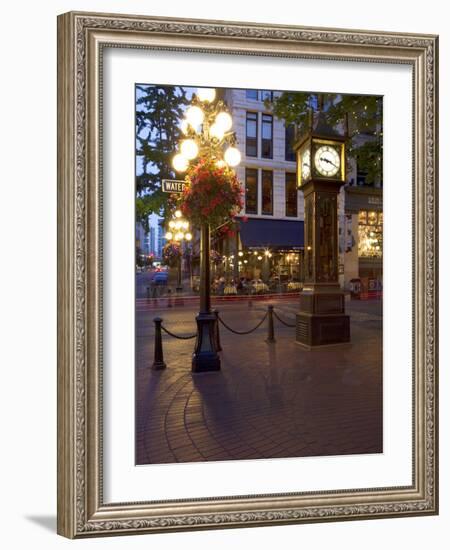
(267,192)
(370,234)
(361,177)
(361,174)
(267,137)
(251,191)
(251,94)
(251,142)
(291,195)
(289,137)
(266,95)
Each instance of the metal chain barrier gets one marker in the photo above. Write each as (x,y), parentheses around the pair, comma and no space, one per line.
(283,322)
(159,363)
(245,331)
(180,337)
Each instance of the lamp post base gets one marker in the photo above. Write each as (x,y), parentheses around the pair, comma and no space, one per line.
(205,357)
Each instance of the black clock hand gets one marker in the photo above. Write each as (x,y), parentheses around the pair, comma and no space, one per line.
(329,161)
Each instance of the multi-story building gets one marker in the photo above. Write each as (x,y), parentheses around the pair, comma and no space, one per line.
(361,227)
(151,239)
(270,244)
(160,240)
(146,240)
(141,239)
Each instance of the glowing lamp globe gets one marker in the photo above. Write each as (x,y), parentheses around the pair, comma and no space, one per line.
(232,156)
(188,236)
(178,213)
(189,149)
(206,94)
(168,236)
(171,224)
(195,116)
(216,131)
(179,236)
(224,121)
(180,163)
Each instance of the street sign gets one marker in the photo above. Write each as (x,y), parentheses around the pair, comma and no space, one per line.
(173,186)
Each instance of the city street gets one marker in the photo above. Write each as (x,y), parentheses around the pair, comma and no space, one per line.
(270,400)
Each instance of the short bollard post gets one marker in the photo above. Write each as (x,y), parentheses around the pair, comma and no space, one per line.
(158,363)
(148,293)
(270,329)
(216,331)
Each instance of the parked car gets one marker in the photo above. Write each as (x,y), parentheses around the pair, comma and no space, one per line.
(161,277)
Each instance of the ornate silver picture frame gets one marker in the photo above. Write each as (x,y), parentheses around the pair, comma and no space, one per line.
(82,509)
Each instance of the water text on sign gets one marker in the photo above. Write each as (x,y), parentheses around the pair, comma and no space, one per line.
(173,186)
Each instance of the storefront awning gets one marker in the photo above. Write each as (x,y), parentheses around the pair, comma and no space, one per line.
(274,234)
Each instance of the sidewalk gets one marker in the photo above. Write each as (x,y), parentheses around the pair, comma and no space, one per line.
(269,400)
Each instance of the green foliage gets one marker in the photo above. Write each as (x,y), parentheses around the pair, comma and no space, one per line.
(365,121)
(292,107)
(159,110)
(149,204)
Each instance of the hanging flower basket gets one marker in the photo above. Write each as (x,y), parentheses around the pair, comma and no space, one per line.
(212,194)
(171,254)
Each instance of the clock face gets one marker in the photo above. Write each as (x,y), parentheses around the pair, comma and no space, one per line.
(327,160)
(306,164)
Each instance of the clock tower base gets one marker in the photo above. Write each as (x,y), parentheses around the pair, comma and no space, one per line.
(321,320)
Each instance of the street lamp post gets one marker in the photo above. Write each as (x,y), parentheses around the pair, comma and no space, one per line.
(178,231)
(207,129)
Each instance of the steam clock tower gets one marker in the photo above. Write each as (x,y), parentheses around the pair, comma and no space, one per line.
(321,171)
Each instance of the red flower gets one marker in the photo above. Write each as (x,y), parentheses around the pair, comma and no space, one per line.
(212,194)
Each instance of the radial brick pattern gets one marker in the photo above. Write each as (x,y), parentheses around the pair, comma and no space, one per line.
(268,401)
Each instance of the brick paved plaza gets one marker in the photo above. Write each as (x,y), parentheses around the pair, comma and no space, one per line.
(269,400)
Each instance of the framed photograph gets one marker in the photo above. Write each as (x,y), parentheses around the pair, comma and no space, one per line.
(247,288)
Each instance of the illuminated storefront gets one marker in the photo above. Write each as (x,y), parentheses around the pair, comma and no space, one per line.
(370,234)
(265,252)
(362,251)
